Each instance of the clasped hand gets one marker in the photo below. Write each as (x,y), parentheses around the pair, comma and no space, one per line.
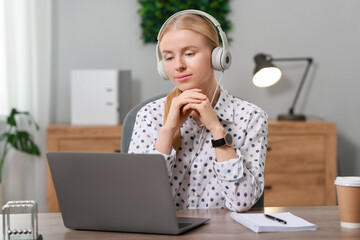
(192,102)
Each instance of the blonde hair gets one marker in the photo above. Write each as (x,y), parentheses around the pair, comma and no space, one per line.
(197,24)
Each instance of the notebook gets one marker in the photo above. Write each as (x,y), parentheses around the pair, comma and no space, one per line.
(257,222)
(116,192)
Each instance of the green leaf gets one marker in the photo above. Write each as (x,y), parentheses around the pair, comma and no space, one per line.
(13,112)
(23,142)
(20,140)
(11,119)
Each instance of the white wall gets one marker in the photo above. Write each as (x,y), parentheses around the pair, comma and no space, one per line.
(107,34)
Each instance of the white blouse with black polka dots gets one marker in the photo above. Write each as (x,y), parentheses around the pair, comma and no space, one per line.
(197,179)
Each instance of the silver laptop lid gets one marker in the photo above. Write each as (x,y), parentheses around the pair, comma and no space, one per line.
(114,192)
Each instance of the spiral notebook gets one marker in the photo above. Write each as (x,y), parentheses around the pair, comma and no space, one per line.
(257,222)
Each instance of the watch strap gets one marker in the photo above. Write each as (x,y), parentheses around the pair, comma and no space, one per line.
(218,143)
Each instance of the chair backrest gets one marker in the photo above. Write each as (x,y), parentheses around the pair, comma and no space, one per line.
(128,126)
(129,121)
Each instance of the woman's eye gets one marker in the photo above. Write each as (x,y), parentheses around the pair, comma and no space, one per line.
(189,54)
(168,58)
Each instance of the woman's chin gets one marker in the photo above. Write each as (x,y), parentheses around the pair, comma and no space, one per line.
(184,88)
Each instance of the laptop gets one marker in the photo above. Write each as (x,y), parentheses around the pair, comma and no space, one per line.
(116,192)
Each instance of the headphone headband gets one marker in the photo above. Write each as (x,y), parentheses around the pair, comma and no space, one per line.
(215,22)
(191,11)
(221,57)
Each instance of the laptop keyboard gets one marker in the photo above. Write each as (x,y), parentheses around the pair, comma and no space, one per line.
(182,225)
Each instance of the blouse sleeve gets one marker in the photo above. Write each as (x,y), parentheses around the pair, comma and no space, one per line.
(242,178)
(144,136)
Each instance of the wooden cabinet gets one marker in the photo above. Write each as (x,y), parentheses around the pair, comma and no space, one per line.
(301,164)
(67,138)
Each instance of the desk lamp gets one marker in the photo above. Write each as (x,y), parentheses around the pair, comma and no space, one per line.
(267,74)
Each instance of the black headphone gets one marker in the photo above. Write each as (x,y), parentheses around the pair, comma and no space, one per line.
(220,56)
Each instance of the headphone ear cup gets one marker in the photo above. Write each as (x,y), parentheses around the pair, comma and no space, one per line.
(220,60)
(225,60)
(216,58)
(161,70)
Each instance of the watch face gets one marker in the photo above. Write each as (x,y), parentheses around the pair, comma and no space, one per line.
(228,139)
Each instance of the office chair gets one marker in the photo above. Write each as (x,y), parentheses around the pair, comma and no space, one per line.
(129,121)
(128,126)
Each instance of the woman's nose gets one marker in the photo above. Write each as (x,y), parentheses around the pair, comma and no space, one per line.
(180,64)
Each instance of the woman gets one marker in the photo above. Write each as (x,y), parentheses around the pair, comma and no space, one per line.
(194,125)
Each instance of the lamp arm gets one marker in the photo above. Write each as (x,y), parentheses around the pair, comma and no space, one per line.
(309,62)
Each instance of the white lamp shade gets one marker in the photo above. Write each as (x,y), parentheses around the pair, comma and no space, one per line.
(267,77)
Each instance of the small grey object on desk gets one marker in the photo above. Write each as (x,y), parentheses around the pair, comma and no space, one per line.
(20,233)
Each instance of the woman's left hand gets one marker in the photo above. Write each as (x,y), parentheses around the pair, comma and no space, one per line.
(206,114)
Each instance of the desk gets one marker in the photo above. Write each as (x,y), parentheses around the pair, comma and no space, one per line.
(221,226)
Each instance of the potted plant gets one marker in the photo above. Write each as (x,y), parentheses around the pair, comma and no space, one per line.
(19,139)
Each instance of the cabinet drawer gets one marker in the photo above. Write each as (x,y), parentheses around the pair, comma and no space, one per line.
(294,189)
(89,144)
(295,154)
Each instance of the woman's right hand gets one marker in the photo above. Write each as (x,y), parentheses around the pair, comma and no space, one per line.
(176,116)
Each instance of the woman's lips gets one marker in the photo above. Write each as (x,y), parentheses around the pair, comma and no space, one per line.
(182,78)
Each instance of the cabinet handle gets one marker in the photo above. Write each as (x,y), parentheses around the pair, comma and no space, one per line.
(269,149)
(117,150)
(267,187)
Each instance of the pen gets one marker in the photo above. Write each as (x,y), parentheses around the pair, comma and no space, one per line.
(275,218)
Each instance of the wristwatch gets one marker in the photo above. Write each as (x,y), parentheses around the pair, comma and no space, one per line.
(226,140)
